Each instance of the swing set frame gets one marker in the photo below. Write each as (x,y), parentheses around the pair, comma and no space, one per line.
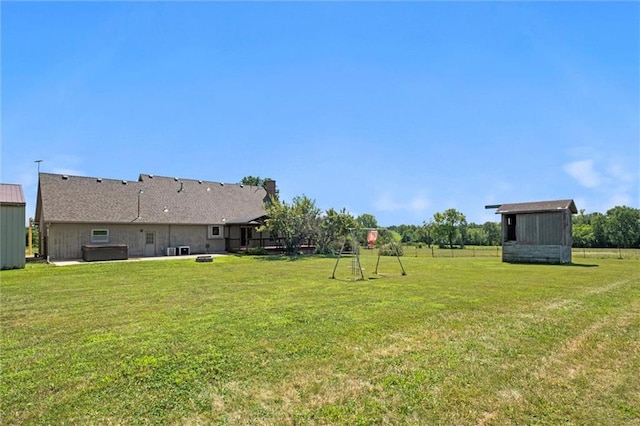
(357,271)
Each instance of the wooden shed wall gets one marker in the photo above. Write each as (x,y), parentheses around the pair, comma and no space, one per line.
(543,237)
(516,253)
(539,228)
(12,237)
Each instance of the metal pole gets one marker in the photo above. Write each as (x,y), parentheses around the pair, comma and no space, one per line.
(30,237)
(333,275)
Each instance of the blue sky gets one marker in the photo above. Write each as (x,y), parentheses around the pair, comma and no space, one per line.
(396,109)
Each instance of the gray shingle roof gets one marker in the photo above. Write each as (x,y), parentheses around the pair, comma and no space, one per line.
(11,194)
(162,200)
(537,206)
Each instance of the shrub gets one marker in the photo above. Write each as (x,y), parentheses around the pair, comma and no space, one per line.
(390,250)
(257,251)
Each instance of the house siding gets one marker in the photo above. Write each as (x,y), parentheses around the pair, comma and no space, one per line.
(65,241)
(12,237)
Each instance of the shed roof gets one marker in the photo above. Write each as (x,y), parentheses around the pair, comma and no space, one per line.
(150,199)
(537,207)
(11,194)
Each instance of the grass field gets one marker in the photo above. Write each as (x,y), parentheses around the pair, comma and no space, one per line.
(264,340)
(579,254)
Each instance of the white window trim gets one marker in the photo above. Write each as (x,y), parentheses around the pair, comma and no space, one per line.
(99,238)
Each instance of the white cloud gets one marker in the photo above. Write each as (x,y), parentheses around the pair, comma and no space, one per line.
(417,204)
(611,182)
(584,172)
(618,172)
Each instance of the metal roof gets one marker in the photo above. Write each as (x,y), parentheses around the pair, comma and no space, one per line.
(537,206)
(150,199)
(11,194)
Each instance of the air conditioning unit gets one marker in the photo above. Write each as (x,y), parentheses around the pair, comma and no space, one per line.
(171,251)
(184,250)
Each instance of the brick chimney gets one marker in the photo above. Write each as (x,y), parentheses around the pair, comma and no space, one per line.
(270,186)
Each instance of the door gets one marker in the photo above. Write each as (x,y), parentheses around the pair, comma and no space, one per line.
(149,243)
(245,237)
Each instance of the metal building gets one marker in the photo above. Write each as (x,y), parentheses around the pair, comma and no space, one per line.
(12,227)
(537,232)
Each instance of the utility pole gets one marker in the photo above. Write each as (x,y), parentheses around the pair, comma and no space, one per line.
(31,221)
(30,237)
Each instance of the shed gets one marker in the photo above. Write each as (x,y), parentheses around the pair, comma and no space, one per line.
(537,232)
(12,226)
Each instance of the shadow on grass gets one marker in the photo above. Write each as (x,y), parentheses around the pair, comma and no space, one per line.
(287,258)
(562,265)
(353,281)
(583,265)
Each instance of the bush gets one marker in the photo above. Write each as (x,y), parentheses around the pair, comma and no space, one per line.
(390,250)
(256,251)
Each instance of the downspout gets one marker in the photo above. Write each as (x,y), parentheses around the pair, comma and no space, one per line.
(46,240)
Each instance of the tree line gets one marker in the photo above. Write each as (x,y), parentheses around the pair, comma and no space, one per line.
(618,227)
(302,221)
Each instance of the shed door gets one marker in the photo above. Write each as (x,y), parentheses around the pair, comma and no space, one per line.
(149,243)
(511,227)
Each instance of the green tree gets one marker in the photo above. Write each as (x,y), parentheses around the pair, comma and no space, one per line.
(476,236)
(334,226)
(598,223)
(623,226)
(582,235)
(257,181)
(427,234)
(367,220)
(295,223)
(408,233)
(450,226)
(493,232)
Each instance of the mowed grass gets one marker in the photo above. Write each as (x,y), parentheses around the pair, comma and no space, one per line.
(263,340)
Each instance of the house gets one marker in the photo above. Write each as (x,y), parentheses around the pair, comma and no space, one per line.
(537,232)
(12,226)
(151,216)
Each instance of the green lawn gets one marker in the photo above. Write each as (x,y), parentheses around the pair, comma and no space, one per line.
(263,340)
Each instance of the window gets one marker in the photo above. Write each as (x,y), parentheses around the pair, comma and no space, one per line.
(99,235)
(215,231)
